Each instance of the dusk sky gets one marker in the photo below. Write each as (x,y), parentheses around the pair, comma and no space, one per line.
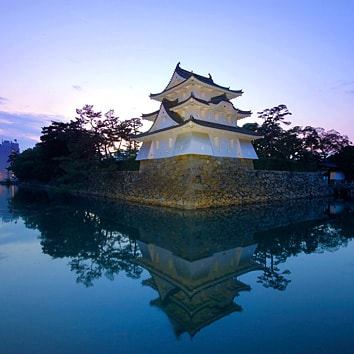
(57,56)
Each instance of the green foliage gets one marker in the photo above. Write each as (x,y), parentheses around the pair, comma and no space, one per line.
(69,152)
(306,146)
(29,166)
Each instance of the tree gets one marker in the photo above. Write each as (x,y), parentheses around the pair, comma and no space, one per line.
(308,144)
(116,135)
(271,146)
(68,152)
(134,128)
(28,166)
(331,142)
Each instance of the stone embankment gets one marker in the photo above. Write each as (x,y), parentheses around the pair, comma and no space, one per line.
(197,181)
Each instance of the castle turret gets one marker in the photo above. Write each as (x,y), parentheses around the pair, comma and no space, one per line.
(196,116)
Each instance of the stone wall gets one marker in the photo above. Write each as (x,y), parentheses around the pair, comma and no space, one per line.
(198,181)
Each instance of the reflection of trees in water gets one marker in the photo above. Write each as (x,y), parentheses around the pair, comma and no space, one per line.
(80,231)
(277,245)
(110,256)
(99,236)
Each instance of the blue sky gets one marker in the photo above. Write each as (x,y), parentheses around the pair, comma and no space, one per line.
(57,56)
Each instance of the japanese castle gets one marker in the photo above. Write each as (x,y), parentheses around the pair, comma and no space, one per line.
(196,116)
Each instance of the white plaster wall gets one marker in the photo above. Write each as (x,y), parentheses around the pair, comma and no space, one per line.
(247,150)
(192,143)
(144,151)
(226,146)
(162,121)
(223,147)
(163,147)
(197,143)
(176,79)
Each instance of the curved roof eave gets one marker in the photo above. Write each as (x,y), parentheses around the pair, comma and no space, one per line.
(150,116)
(216,104)
(199,101)
(218,126)
(186,74)
(173,75)
(227,90)
(242,131)
(188,100)
(208,80)
(246,113)
(172,115)
(237,111)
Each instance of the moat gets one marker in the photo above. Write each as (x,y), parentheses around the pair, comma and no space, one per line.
(88,275)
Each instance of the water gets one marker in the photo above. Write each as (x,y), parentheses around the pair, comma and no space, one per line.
(91,276)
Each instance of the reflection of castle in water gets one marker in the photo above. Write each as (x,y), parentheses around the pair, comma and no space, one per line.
(199,289)
(196,293)
(194,257)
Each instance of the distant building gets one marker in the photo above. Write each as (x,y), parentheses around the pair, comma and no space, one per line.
(7,148)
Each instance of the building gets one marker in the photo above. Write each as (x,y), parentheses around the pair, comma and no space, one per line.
(196,116)
(7,148)
(195,155)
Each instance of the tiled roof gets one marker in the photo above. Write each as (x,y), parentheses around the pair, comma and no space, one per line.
(224,127)
(205,124)
(175,116)
(243,112)
(187,99)
(166,104)
(207,80)
(186,74)
(215,100)
(219,98)
(146,115)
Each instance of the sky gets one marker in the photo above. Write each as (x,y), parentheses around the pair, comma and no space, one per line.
(57,56)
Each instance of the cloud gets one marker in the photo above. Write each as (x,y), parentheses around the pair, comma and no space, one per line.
(77,87)
(3,100)
(351,92)
(4,121)
(25,127)
(342,84)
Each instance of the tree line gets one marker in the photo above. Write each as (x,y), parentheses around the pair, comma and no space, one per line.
(307,145)
(68,152)
(297,143)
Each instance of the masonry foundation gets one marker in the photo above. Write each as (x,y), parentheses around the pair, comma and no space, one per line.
(198,181)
